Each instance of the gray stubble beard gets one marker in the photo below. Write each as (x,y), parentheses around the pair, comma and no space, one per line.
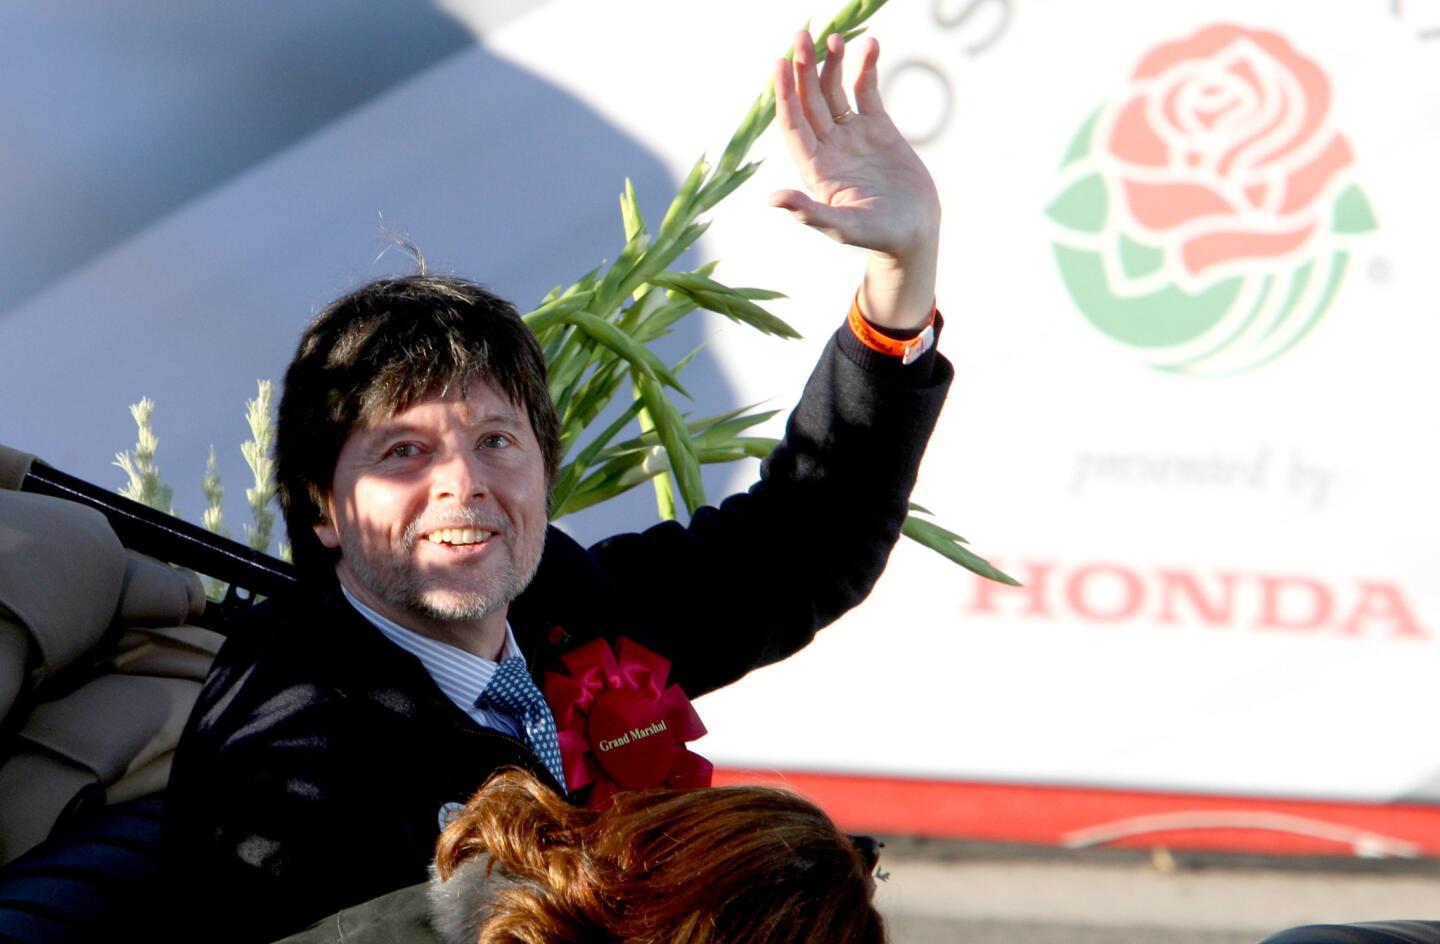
(403,587)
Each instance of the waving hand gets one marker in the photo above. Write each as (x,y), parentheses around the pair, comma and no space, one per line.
(867,186)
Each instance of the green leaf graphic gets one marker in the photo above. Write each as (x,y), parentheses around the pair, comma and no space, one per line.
(1299,279)
(1160,319)
(1191,365)
(1352,212)
(1080,144)
(1138,259)
(1337,273)
(1083,207)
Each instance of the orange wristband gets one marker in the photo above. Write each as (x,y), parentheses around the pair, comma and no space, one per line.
(908,350)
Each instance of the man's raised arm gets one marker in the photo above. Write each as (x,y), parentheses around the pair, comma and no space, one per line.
(870,187)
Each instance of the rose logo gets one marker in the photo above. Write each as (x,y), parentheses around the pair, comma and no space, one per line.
(1205,216)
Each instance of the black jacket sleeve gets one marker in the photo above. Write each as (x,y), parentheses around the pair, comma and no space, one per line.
(751,581)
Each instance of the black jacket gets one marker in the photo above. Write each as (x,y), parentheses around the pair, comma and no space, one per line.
(311,774)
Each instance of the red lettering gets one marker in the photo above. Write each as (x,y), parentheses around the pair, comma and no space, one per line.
(1217,610)
(1078,592)
(1274,615)
(1109,592)
(1383,603)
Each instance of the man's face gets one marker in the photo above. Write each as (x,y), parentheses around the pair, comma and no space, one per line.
(439,511)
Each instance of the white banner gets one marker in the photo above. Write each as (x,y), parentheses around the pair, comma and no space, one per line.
(1188,282)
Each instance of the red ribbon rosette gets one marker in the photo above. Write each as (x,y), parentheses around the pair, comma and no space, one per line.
(620,727)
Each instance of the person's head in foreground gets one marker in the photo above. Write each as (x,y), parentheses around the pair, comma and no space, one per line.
(710,866)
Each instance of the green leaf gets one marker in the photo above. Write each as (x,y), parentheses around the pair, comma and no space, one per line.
(601,484)
(933,531)
(584,401)
(743,447)
(917,530)
(726,301)
(679,213)
(738,308)
(660,255)
(662,318)
(578,354)
(676,442)
(569,478)
(601,444)
(710,431)
(1083,207)
(718,432)
(630,213)
(660,481)
(604,485)
(1138,259)
(721,187)
(656,322)
(644,304)
(553,312)
(639,356)
(610,289)
(1080,144)
(1352,212)
(584,284)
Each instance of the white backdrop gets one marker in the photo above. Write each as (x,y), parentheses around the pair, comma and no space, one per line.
(1230,580)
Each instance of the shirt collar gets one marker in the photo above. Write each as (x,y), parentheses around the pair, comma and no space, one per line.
(460,675)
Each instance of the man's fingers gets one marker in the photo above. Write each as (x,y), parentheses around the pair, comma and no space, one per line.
(807,85)
(799,136)
(867,83)
(832,74)
(811,212)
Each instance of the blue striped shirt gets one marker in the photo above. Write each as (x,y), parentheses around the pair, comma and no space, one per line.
(461,675)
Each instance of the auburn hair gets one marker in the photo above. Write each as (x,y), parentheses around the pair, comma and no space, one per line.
(722,865)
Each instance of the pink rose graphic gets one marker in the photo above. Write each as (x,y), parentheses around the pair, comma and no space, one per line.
(1205,216)
(1223,147)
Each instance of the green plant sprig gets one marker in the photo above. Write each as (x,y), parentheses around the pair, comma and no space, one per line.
(213,518)
(144,484)
(257,453)
(595,334)
(595,331)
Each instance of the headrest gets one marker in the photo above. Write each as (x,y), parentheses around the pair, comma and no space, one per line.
(156,594)
(61,571)
(14,464)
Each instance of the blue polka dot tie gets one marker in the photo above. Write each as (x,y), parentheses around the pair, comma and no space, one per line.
(512,692)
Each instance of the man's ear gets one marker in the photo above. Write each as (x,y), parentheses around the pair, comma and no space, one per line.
(325,528)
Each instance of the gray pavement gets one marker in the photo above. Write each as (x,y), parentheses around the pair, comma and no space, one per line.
(981,895)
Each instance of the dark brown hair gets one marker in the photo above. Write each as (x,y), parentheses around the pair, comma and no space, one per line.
(379,350)
(723,865)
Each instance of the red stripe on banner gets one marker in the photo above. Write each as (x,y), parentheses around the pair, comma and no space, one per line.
(1080,817)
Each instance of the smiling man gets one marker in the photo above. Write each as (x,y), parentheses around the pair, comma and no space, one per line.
(439,516)
(415,443)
